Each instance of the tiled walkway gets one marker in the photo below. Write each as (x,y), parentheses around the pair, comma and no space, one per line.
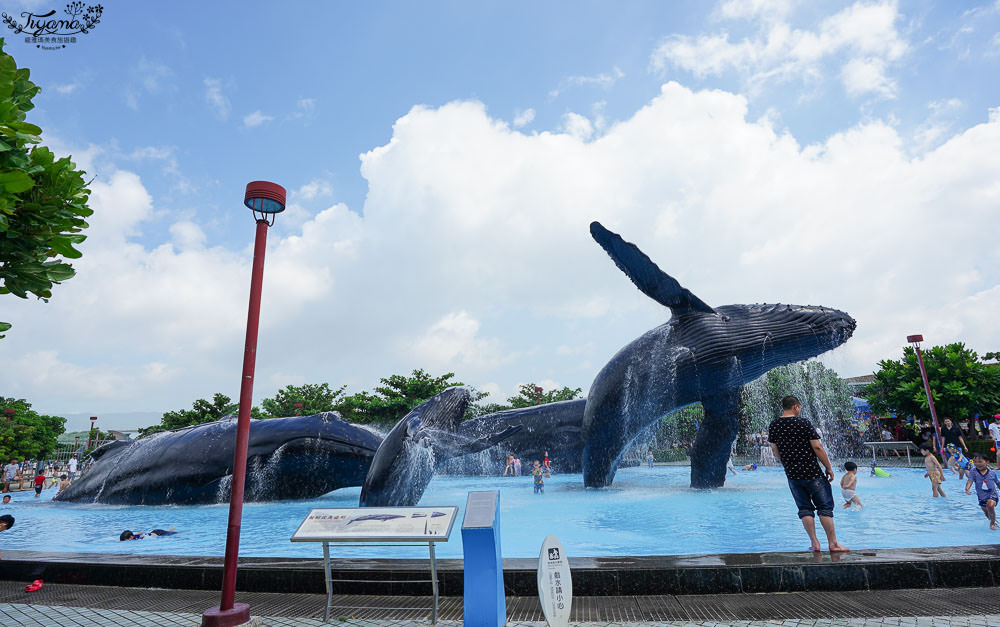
(62,604)
(49,616)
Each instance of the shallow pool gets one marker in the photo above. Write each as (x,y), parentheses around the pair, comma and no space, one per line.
(646,512)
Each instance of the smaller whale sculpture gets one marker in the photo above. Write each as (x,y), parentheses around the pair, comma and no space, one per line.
(288,458)
(556,428)
(427,436)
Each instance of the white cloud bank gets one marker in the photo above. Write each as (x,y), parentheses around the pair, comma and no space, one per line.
(474,256)
(863,38)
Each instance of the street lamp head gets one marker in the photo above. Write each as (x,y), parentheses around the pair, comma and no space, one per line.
(914,339)
(265,198)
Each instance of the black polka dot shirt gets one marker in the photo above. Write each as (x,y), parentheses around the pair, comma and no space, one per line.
(791,434)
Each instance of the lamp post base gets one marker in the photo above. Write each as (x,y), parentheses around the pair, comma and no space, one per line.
(238,615)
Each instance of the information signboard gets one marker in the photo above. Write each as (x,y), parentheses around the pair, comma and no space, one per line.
(368,524)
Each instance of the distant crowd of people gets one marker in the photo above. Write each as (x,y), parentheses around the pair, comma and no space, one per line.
(40,472)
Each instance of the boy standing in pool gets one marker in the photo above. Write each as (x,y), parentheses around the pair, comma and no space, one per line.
(934,471)
(986,487)
(848,485)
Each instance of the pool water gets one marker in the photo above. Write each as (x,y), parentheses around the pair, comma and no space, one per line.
(646,512)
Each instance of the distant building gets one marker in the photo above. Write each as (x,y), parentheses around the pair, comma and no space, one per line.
(857,384)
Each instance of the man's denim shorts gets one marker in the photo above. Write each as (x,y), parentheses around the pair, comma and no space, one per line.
(812,495)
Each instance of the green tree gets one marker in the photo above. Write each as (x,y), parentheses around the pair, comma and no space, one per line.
(680,424)
(27,434)
(43,200)
(314,398)
(393,399)
(201,411)
(962,385)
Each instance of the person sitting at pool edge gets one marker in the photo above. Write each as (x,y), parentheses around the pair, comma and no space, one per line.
(128,535)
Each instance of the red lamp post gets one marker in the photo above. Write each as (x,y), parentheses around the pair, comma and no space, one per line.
(90,436)
(538,395)
(265,200)
(297,406)
(9,413)
(916,340)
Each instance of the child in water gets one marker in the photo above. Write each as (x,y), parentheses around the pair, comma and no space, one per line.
(538,472)
(848,485)
(128,535)
(934,471)
(961,465)
(986,487)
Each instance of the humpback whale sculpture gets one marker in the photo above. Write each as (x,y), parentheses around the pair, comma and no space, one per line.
(702,354)
(427,436)
(288,458)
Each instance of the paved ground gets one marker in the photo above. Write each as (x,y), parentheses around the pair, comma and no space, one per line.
(45,616)
(61,604)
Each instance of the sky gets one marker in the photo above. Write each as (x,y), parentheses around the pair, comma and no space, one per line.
(444,159)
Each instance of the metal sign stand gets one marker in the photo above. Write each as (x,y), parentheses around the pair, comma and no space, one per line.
(378,526)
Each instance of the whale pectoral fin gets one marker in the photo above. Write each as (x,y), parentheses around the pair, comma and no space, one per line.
(646,275)
(447,445)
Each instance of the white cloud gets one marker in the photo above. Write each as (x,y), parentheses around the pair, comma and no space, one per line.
(216,99)
(65,90)
(314,189)
(862,76)
(862,39)
(604,80)
(523,118)
(454,340)
(256,119)
(578,126)
(472,255)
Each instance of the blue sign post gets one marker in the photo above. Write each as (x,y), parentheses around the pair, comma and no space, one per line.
(485,603)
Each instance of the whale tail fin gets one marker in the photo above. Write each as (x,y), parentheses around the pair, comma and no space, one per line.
(650,280)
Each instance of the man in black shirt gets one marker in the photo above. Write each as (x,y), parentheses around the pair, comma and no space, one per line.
(796,444)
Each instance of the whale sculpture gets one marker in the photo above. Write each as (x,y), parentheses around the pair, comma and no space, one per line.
(288,458)
(556,428)
(702,354)
(424,438)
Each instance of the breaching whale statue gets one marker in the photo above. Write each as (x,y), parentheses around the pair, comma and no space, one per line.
(702,354)
(288,458)
(424,438)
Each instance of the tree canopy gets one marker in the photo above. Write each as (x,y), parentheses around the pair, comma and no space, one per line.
(201,411)
(962,385)
(528,395)
(43,200)
(27,434)
(397,395)
(314,398)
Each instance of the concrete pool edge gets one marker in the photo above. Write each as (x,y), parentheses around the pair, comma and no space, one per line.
(873,569)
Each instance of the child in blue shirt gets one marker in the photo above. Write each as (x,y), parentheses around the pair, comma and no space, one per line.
(986,487)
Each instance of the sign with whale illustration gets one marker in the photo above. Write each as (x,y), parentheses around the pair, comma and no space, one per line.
(390,524)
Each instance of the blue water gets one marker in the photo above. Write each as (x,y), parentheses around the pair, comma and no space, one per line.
(646,512)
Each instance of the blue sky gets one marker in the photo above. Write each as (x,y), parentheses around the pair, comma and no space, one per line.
(444,158)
